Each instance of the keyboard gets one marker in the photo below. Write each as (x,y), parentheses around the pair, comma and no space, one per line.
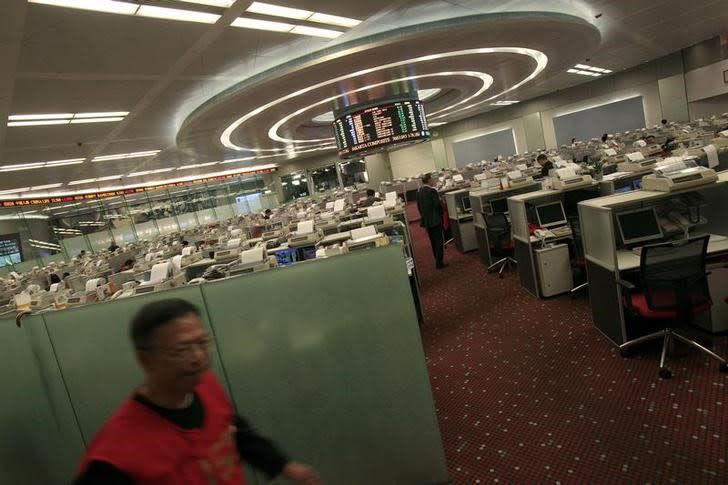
(561,231)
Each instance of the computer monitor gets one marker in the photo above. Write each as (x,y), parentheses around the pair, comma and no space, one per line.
(639,226)
(465,204)
(286,256)
(499,206)
(637,184)
(551,215)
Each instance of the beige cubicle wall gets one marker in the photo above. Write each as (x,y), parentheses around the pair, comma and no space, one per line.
(320,356)
(56,232)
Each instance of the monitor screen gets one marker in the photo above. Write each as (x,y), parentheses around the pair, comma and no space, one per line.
(286,257)
(499,206)
(465,202)
(551,214)
(10,249)
(639,226)
(372,128)
(637,184)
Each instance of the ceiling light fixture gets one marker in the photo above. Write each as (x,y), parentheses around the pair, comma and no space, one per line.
(197,165)
(100,115)
(30,166)
(300,14)
(247,23)
(149,172)
(108,6)
(96,120)
(56,116)
(315,32)
(48,186)
(14,191)
(503,103)
(592,68)
(120,156)
(278,11)
(38,123)
(177,14)
(212,3)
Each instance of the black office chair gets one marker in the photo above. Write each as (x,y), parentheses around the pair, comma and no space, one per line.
(500,241)
(674,289)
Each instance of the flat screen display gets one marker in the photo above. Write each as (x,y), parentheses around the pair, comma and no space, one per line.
(376,127)
(551,214)
(499,206)
(10,251)
(639,226)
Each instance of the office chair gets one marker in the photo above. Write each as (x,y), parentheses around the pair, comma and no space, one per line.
(579,259)
(674,289)
(499,235)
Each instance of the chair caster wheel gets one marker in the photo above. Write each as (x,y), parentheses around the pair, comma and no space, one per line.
(724,367)
(665,373)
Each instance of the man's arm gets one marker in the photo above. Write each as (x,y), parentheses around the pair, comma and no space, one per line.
(264,455)
(102,473)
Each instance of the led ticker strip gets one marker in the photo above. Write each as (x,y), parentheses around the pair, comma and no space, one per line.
(129,191)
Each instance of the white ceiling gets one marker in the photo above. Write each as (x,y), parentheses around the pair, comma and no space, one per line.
(60,60)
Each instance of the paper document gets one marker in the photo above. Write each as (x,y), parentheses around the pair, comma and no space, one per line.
(362,232)
(376,212)
(252,255)
(234,243)
(712,156)
(610,152)
(635,156)
(390,199)
(304,227)
(457,177)
(521,167)
(93,283)
(330,205)
(665,168)
(480,176)
(339,205)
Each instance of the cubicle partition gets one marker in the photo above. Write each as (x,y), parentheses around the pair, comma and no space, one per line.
(331,367)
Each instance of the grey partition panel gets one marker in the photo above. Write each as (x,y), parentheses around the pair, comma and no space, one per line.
(38,438)
(96,356)
(628,114)
(484,147)
(326,359)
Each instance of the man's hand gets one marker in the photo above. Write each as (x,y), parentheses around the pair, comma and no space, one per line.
(301,474)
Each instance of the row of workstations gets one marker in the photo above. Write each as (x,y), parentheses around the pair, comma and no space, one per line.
(211,252)
(591,231)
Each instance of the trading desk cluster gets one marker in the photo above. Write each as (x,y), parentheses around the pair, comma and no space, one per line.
(579,227)
(300,231)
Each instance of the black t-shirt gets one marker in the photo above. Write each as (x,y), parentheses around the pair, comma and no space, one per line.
(546,167)
(253,448)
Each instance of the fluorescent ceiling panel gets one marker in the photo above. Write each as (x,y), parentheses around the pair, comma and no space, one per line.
(247,23)
(96,120)
(278,11)
(56,116)
(38,123)
(315,32)
(177,14)
(323,18)
(108,6)
(212,3)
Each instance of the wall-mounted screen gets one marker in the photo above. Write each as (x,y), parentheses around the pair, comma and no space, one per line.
(376,127)
(10,251)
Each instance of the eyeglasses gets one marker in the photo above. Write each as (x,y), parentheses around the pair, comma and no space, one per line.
(186,350)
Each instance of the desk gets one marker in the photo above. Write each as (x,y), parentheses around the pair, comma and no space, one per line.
(521,208)
(461,219)
(607,262)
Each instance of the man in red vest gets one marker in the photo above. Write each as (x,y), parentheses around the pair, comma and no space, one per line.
(179,426)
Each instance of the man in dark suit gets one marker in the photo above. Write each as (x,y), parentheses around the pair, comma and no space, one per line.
(430,207)
(546,164)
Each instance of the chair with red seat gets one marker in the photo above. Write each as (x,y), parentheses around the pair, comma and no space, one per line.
(500,241)
(674,289)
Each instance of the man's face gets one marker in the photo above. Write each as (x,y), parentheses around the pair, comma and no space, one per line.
(650,140)
(179,353)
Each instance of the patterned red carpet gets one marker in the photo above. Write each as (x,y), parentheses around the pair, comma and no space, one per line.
(527,391)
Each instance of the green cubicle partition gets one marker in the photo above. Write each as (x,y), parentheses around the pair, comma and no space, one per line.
(324,357)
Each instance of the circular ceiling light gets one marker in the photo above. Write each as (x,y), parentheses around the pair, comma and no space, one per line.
(422,95)
(538,56)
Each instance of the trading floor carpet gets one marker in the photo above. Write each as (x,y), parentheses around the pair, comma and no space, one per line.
(527,391)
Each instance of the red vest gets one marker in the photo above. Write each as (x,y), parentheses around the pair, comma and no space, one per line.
(151,449)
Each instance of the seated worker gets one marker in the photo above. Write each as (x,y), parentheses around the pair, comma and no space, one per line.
(370,199)
(545,163)
(267,214)
(113,247)
(650,140)
(128,264)
(184,243)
